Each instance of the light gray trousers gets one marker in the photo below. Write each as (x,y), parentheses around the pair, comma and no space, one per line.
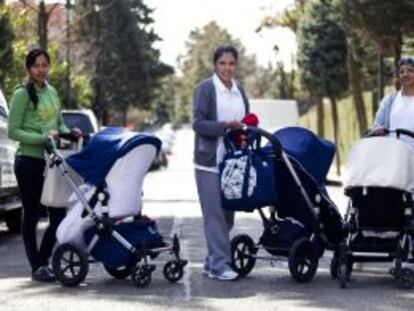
(217,222)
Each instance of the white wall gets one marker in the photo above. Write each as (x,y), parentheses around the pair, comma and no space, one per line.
(275,113)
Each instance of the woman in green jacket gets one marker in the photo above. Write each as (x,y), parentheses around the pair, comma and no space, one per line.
(35,116)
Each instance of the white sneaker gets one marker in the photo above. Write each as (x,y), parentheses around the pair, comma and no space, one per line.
(228,275)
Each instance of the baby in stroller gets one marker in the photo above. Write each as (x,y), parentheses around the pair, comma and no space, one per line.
(302,221)
(379,214)
(113,165)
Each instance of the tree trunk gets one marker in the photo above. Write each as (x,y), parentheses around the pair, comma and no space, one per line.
(105,116)
(42,25)
(124,115)
(380,87)
(320,117)
(357,96)
(397,56)
(335,131)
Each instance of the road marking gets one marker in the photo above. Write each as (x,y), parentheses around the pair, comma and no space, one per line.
(176,229)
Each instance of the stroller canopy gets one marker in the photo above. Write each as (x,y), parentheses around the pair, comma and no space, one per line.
(380,162)
(315,154)
(95,161)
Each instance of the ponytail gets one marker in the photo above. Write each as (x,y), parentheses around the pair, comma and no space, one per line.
(32,93)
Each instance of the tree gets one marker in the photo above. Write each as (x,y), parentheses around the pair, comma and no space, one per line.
(125,68)
(322,57)
(6,40)
(356,57)
(386,22)
(24,36)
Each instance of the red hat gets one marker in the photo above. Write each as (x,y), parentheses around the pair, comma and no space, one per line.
(251,119)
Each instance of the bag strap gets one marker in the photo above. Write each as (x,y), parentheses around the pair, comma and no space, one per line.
(228,144)
(253,140)
(246,177)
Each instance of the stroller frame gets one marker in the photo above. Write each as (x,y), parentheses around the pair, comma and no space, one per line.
(71,262)
(348,252)
(302,257)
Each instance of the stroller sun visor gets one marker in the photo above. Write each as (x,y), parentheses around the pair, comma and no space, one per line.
(380,162)
(95,161)
(315,154)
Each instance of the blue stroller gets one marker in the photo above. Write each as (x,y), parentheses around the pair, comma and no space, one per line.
(113,165)
(302,221)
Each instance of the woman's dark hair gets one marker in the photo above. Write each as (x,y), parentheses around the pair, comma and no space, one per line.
(221,49)
(402,62)
(30,60)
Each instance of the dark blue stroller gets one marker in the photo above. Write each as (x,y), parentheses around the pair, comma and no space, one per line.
(302,221)
(96,229)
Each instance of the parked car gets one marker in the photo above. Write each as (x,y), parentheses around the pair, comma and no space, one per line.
(84,119)
(10,204)
(166,135)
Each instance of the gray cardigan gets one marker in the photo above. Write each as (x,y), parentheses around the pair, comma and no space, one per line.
(382,117)
(205,125)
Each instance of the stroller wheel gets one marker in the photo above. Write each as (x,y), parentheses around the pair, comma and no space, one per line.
(242,251)
(174,270)
(405,278)
(121,272)
(70,264)
(302,262)
(141,275)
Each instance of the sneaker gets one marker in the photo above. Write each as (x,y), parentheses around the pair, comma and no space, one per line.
(43,274)
(206,271)
(227,275)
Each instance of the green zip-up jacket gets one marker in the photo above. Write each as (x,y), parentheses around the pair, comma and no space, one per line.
(29,125)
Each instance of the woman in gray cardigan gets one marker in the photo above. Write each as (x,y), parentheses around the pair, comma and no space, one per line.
(219,104)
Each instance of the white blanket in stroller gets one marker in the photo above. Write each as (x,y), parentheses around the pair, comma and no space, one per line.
(380,162)
(124,185)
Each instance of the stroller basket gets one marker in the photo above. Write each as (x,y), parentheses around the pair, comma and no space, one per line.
(110,252)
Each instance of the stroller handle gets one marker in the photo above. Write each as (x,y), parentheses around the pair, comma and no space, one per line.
(51,144)
(397,131)
(73,138)
(274,141)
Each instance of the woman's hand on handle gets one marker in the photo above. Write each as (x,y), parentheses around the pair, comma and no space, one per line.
(233,125)
(379,131)
(76,132)
(52,134)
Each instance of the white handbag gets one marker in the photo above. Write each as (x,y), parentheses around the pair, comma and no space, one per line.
(56,190)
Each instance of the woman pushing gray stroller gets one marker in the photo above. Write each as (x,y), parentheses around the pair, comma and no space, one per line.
(380,186)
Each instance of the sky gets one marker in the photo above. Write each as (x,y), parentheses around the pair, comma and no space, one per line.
(175,19)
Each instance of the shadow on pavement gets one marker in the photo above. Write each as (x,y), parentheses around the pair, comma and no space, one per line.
(267,286)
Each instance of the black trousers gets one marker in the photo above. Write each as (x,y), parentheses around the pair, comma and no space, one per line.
(29,173)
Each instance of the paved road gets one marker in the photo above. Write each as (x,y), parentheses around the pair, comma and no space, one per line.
(170,198)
